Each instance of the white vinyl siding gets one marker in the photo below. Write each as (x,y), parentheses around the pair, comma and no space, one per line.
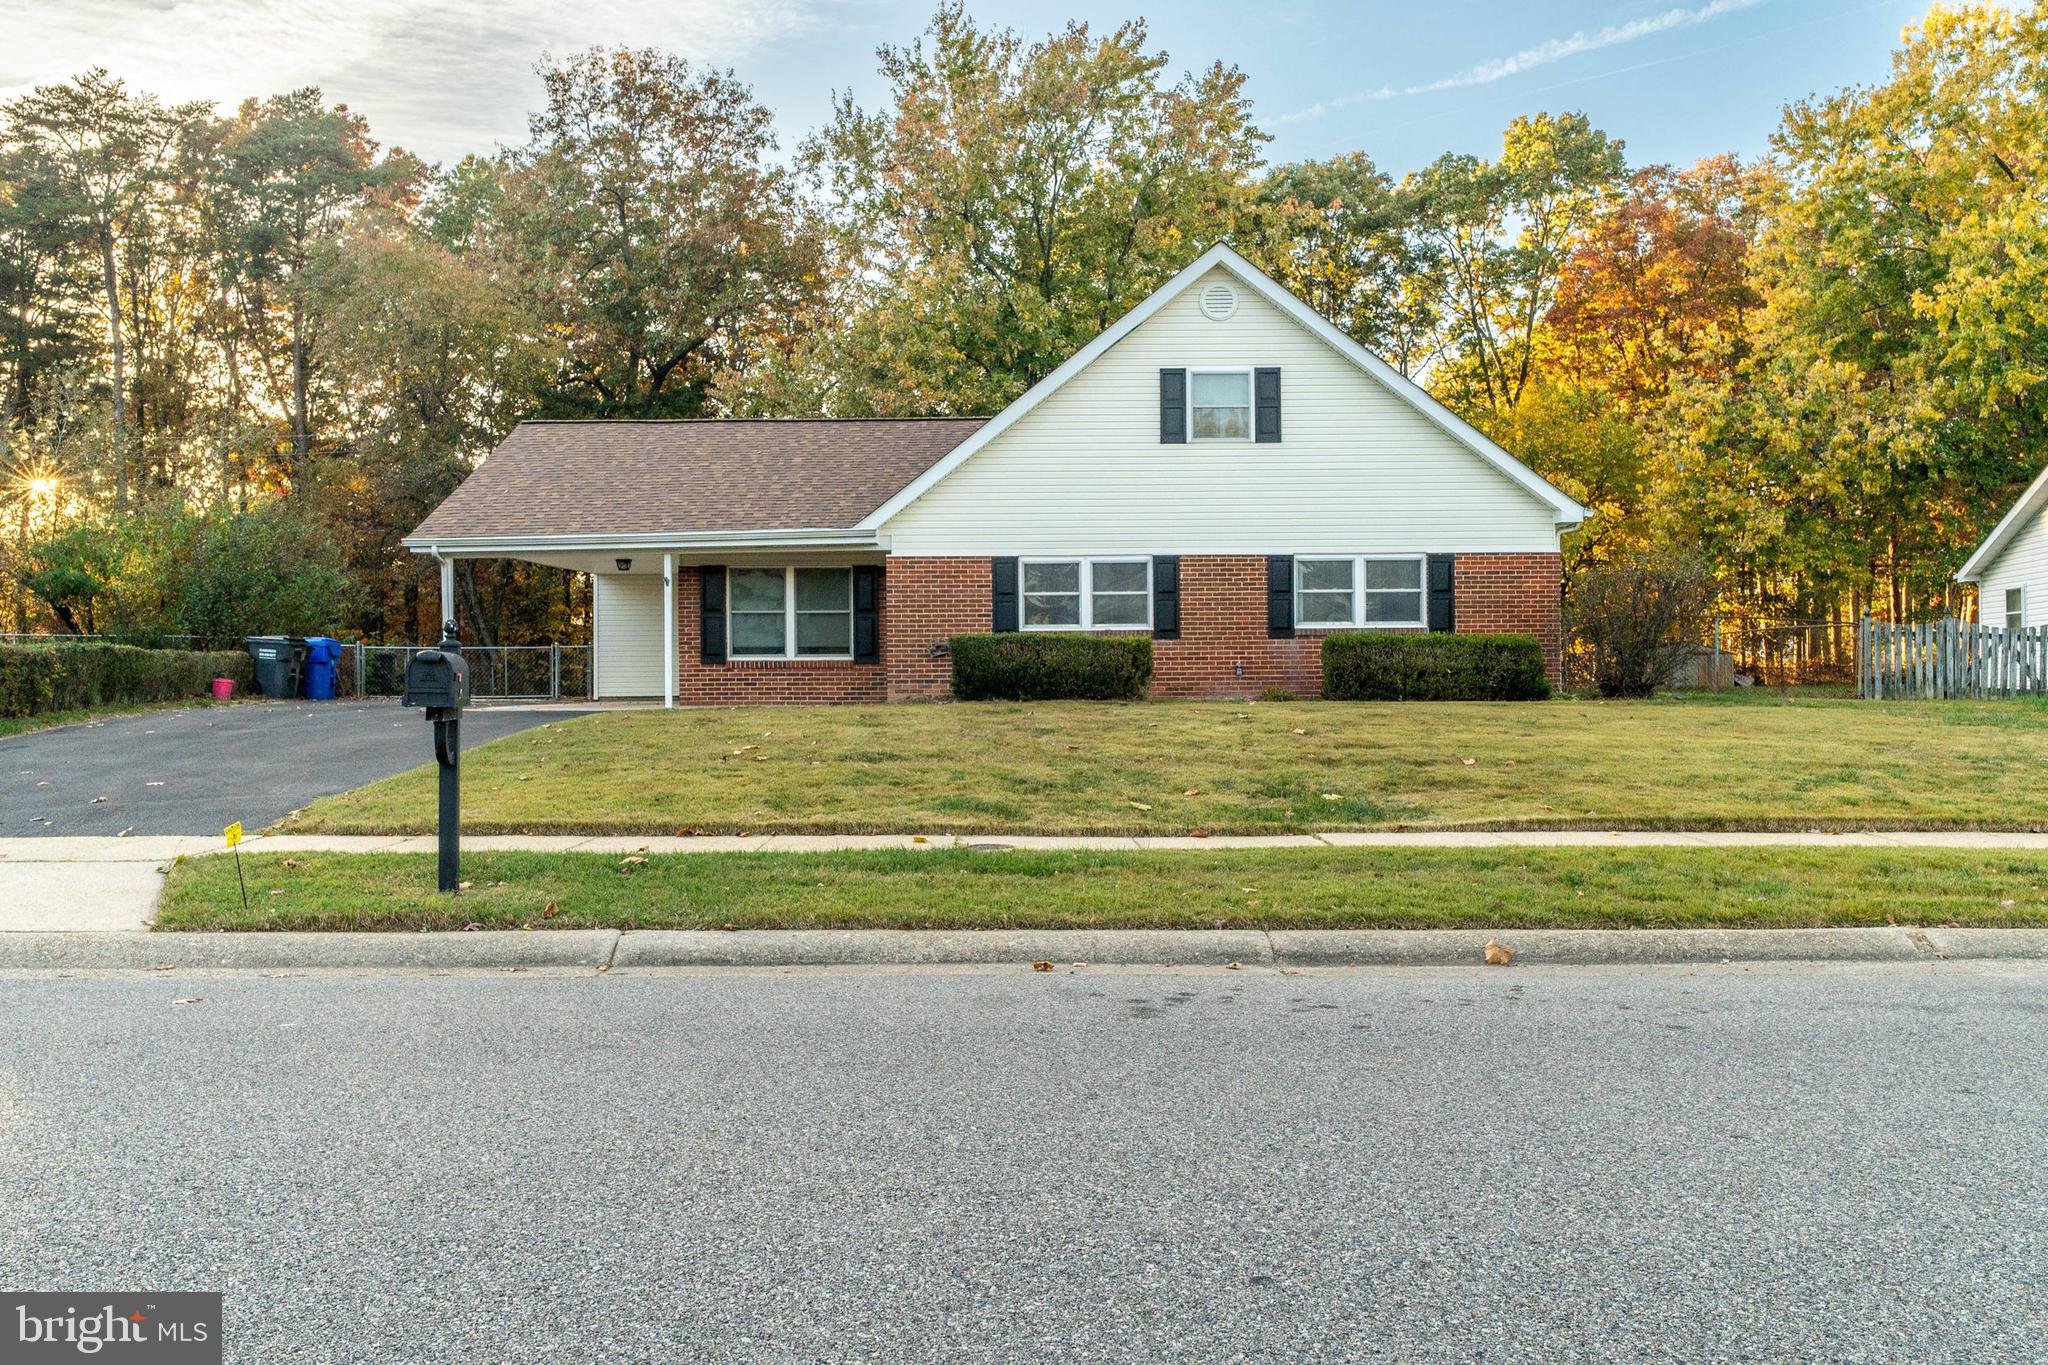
(1359,467)
(628,634)
(2021,565)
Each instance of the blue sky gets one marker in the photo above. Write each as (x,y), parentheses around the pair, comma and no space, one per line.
(1403,82)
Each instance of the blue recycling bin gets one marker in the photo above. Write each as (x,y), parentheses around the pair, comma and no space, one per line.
(323,653)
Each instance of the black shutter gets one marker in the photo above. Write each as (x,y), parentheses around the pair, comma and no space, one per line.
(1443,595)
(1173,407)
(1266,404)
(1166,597)
(711,632)
(1280,597)
(867,597)
(1003,579)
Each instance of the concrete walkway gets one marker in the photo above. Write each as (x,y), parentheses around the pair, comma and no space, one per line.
(97,883)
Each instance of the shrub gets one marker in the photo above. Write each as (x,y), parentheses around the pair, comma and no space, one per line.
(1436,666)
(1015,666)
(37,679)
(1635,622)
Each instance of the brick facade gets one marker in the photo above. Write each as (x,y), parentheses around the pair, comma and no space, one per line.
(1223,650)
(1515,595)
(764,680)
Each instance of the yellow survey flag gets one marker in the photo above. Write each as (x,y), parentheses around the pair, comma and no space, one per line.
(233,834)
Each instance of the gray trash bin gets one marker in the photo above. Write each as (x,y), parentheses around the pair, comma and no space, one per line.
(280,664)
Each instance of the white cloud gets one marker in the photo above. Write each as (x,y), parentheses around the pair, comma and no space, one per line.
(1542,54)
(440,77)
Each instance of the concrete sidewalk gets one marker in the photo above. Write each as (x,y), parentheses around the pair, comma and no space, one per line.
(103,883)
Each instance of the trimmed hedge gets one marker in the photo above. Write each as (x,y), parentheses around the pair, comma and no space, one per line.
(1016,666)
(38,679)
(1433,666)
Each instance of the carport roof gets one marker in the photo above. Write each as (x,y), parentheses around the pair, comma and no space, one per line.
(683,478)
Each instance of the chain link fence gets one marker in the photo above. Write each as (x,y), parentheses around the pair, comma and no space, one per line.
(496,672)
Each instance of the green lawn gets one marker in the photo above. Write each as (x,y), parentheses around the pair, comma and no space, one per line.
(1222,888)
(1740,761)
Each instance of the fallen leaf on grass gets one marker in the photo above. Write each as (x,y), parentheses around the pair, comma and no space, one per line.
(464,886)
(1468,762)
(1499,954)
(633,860)
(1041,966)
(1198,834)
(1333,796)
(292,862)
(1139,805)
(2005,905)
(687,832)
(552,910)
(1192,791)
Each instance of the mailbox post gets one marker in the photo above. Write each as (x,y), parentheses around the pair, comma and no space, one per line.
(438,679)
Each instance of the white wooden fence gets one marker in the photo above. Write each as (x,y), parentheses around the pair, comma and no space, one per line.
(1948,658)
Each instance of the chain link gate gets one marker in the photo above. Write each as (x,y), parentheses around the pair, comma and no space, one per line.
(496,672)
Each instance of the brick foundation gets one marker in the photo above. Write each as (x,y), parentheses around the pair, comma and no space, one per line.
(1515,595)
(1223,650)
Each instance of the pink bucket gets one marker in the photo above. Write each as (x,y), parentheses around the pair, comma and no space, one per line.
(223,688)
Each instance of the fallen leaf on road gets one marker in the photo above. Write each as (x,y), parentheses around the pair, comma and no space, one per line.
(1041,966)
(164,967)
(189,1000)
(919,839)
(1080,964)
(152,784)
(1233,967)
(96,800)
(125,833)
(471,928)
(1499,954)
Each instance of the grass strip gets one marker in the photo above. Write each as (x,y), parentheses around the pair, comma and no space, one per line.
(1765,888)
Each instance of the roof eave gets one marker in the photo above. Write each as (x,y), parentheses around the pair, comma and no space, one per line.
(512,545)
(1995,543)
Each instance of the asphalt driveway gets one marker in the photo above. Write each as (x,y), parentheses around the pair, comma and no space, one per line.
(195,771)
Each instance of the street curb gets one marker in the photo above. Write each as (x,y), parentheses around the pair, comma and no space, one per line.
(481,948)
(609,948)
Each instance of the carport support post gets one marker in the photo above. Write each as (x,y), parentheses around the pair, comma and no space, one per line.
(668,630)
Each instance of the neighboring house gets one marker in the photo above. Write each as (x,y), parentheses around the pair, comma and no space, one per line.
(2010,568)
(1223,469)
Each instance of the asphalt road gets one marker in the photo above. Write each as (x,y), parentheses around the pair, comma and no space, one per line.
(195,771)
(995,1164)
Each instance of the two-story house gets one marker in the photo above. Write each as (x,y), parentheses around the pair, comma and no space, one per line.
(1222,469)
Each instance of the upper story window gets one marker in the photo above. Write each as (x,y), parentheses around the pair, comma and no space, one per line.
(791,614)
(1353,590)
(1220,405)
(1086,594)
(2015,608)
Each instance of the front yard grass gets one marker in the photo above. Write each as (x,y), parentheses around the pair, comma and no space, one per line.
(1754,888)
(1733,762)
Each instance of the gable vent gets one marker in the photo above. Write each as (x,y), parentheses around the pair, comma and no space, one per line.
(1219,302)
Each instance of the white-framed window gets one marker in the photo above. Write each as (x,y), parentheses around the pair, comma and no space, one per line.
(2015,608)
(789,613)
(1085,594)
(1372,591)
(1219,405)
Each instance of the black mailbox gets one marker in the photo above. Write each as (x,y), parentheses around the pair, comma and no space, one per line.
(437,678)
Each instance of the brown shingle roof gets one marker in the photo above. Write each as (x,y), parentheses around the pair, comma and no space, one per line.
(659,478)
